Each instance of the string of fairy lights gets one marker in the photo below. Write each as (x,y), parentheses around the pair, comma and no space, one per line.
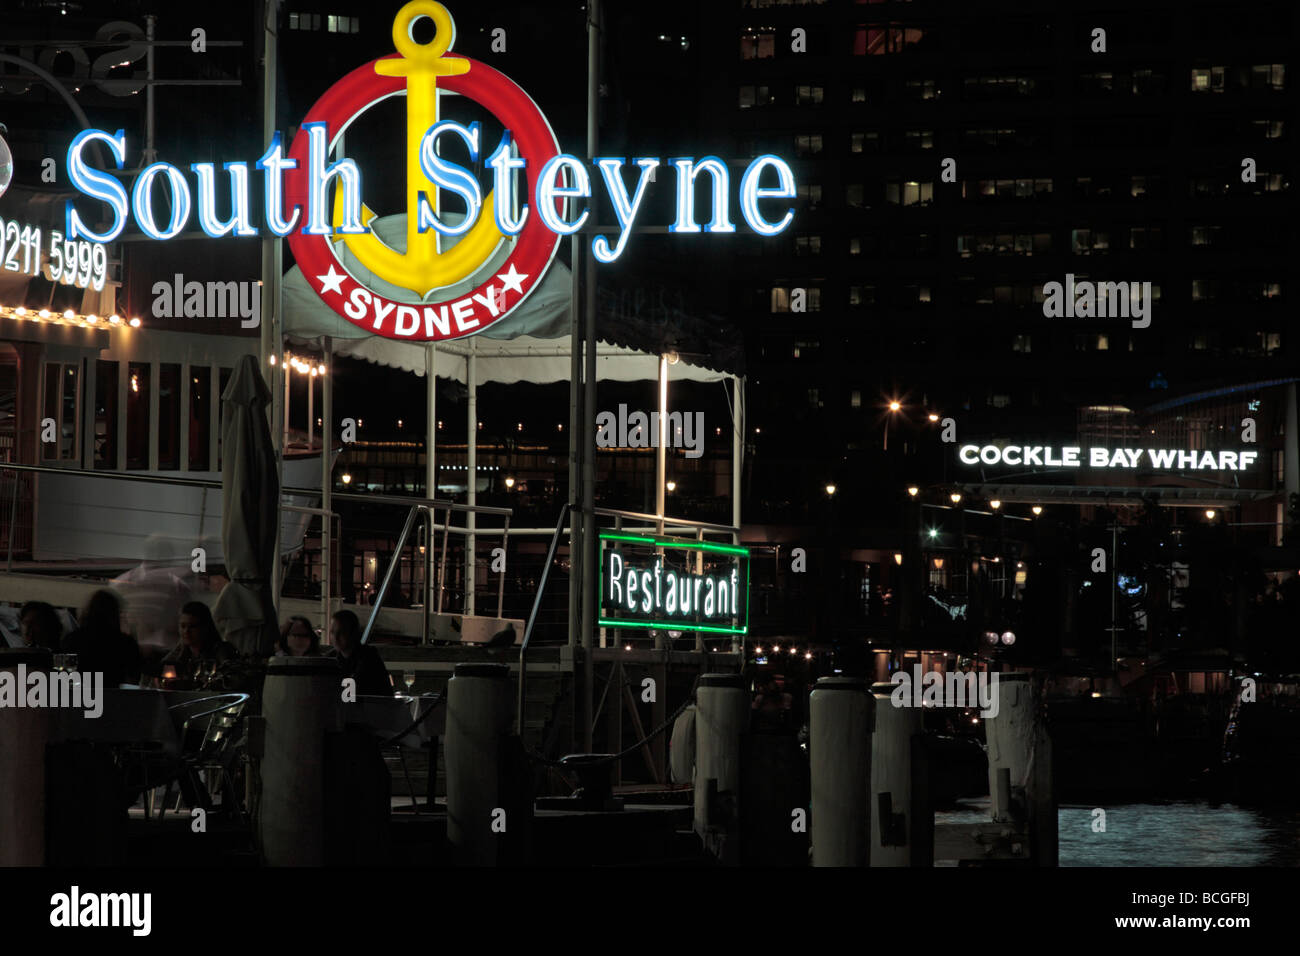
(68,317)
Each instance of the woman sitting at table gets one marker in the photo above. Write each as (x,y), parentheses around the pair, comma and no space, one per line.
(40,626)
(359,661)
(100,645)
(200,641)
(298,639)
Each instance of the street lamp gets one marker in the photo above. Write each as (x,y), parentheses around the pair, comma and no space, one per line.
(1209,513)
(898,558)
(1037,510)
(830,490)
(913,490)
(510,482)
(894,407)
(346,478)
(933,417)
(956,497)
(670,485)
(995,504)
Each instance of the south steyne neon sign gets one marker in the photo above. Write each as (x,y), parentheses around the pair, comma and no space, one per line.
(527,221)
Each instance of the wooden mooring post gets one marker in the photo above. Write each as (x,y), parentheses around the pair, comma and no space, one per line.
(1022,796)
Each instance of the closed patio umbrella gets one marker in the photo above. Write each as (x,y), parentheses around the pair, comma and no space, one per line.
(245,609)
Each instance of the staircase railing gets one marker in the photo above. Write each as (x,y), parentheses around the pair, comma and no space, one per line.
(532,616)
(428,507)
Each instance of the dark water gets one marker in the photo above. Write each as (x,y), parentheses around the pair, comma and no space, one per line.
(1177,833)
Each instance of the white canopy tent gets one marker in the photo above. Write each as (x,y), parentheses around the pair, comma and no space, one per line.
(532,345)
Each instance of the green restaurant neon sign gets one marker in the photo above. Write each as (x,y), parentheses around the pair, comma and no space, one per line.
(639,588)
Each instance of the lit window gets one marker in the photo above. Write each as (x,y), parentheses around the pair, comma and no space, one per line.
(855,246)
(757,46)
(919,138)
(1267,129)
(807,245)
(808,145)
(1207,80)
(921,89)
(1268,76)
(809,95)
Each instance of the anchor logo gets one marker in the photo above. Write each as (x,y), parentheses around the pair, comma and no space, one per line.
(444,300)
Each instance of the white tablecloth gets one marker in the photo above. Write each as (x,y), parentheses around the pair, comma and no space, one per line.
(389,715)
(128,717)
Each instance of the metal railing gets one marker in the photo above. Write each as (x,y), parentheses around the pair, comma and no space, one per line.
(428,508)
(532,617)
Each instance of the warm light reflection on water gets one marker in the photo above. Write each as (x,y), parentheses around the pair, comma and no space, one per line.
(1178,833)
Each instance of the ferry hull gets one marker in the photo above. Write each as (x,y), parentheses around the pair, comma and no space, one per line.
(80,518)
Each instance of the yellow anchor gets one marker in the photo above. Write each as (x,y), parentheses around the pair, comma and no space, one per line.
(422,267)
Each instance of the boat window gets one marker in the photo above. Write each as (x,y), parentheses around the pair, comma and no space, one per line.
(138,383)
(223,379)
(8,402)
(169,416)
(105,414)
(61,407)
(200,417)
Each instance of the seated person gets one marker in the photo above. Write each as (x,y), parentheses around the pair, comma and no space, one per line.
(298,639)
(200,641)
(358,661)
(100,645)
(40,626)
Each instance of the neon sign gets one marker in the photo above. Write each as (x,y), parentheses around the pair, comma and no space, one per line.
(71,262)
(525,222)
(1160,459)
(654,592)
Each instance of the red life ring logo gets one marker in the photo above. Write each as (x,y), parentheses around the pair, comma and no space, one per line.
(422,267)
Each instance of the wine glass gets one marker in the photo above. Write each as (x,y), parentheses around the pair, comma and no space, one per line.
(207,670)
(408,678)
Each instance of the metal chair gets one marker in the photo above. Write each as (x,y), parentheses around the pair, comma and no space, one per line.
(220,717)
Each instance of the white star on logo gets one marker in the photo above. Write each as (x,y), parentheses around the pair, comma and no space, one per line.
(331,281)
(512,281)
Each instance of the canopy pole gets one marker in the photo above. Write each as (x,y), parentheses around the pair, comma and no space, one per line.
(737,464)
(326,475)
(575,446)
(661,453)
(430,463)
(589,571)
(272,338)
(661,467)
(471,495)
